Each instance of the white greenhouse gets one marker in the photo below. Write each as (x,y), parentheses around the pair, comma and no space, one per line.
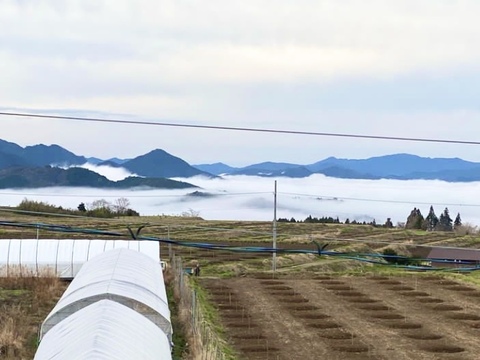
(62,257)
(105,330)
(122,275)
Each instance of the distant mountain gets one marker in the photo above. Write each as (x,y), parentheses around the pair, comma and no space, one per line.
(12,155)
(215,169)
(43,155)
(156,164)
(10,148)
(159,163)
(36,177)
(117,160)
(344,173)
(270,166)
(109,163)
(114,160)
(295,171)
(446,175)
(397,166)
(94,160)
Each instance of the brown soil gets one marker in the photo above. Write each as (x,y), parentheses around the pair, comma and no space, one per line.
(430,300)
(463,316)
(357,319)
(423,335)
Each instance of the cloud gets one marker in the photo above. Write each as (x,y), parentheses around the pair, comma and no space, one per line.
(225,42)
(111,173)
(251,198)
(381,67)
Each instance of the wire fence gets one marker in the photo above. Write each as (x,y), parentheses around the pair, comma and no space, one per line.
(204,342)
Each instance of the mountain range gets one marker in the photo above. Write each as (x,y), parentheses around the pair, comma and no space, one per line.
(396,166)
(43,166)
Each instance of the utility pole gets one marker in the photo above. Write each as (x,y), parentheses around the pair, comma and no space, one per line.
(274,255)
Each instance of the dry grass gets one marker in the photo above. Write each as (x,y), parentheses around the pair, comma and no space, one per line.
(25,301)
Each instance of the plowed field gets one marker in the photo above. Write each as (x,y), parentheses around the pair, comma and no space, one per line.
(424,317)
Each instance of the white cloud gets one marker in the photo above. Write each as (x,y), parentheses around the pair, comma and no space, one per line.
(251,198)
(111,173)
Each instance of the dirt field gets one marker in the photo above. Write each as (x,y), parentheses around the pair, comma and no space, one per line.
(375,317)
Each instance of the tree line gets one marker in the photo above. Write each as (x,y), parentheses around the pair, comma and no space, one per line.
(432,222)
(98,208)
(328,220)
(415,220)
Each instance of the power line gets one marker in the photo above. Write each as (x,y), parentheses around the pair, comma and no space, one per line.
(235,194)
(339,198)
(233,128)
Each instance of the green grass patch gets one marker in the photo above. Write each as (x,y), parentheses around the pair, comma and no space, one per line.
(6,294)
(212,318)
(179,338)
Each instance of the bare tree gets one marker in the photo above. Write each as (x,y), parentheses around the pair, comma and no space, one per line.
(100,204)
(121,205)
(191,213)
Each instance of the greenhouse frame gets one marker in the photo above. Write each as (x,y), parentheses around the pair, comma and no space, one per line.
(125,276)
(105,330)
(61,257)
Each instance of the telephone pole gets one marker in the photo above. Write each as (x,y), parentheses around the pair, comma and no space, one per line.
(274,255)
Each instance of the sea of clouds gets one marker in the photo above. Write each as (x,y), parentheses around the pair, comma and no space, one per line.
(252,198)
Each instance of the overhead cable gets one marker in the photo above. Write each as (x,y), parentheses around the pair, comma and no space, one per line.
(234,128)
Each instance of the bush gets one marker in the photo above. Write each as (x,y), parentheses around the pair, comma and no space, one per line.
(391,256)
(466,229)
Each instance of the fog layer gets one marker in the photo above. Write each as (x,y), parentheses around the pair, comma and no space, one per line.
(252,198)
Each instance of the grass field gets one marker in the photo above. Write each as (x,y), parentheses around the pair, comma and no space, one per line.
(310,308)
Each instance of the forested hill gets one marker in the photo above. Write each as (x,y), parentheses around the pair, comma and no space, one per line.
(396,166)
(159,164)
(47,176)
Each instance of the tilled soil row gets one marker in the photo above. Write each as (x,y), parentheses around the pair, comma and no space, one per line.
(349,318)
(332,334)
(246,334)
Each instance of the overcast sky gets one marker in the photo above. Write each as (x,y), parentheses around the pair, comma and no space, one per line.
(375,67)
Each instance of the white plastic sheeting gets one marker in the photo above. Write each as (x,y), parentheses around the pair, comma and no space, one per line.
(63,257)
(104,330)
(122,275)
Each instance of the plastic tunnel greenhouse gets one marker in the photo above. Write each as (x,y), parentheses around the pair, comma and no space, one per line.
(62,257)
(125,276)
(105,330)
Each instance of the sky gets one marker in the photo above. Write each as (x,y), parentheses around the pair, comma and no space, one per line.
(371,67)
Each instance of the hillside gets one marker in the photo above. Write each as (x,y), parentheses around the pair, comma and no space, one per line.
(395,166)
(160,164)
(37,177)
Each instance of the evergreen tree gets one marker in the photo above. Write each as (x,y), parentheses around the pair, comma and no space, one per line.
(458,222)
(445,221)
(81,207)
(431,220)
(414,220)
(388,223)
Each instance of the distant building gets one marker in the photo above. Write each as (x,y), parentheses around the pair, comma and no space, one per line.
(453,257)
